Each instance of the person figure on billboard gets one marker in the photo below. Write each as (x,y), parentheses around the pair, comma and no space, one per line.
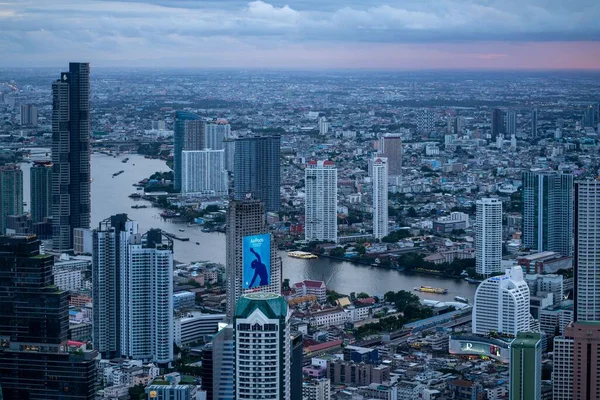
(260,270)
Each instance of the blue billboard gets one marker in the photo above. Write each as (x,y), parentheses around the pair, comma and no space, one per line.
(256,260)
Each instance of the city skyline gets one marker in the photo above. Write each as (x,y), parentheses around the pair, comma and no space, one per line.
(304,34)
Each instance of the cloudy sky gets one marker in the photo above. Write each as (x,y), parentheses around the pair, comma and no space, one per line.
(303,34)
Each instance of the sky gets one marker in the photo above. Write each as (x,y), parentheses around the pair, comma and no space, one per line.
(303,34)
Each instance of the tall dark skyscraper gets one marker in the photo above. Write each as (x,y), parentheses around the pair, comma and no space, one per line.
(71,178)
(188,134)
(497,123)
(40,191)
(257,170)
(548,211)
(11,193)
(35,361)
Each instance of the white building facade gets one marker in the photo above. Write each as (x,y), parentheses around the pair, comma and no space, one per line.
(380,197)
(146,287)
(488,240)
(502,304)
(321,201)
(262,347)
(203,172)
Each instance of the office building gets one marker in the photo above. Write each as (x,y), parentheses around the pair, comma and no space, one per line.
(497,125)
(40,191)
(29,115)
(586,264)
(195,135)
(526,367)
(186,124)
(216,133)
(502,304)
(218,366)
(534,122)
(316,389)
(591,116)
(488,236)
(257,170)
(380,197)
(36,361)
(323,126)
(11,193)
(262,347)
(425,121)
(71,175)
(196,326)
(132,280)
(296,365)
(548,211)
(246,221)
(320,209)
(390,147)
(511,122)
(576,362)
(203,172)
(174,392)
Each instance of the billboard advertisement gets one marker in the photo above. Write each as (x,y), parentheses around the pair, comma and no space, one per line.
(256,260)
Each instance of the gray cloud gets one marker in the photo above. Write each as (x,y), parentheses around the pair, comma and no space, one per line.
(152,28)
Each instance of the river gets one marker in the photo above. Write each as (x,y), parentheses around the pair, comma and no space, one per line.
(110,196)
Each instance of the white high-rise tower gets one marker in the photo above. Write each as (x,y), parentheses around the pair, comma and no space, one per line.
(262,347)
(380,197)
(320,180)
(488,241)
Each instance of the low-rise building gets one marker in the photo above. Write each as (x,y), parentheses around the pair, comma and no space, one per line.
(195,326)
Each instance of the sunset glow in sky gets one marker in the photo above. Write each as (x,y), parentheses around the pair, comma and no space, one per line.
(299,34)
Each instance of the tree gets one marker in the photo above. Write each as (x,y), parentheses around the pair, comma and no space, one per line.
(137,392)
(362,295)
(337,252)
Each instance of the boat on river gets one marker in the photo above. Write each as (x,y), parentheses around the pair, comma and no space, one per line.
(429,289)
(301,254)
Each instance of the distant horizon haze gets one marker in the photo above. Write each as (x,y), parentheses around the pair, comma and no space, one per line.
(304,34)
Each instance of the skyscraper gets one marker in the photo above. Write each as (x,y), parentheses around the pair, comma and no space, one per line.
(29,115)
(497,125)
(108,258)
(216,133)
(218,366)
(488,237)
(71,178)
(502,304)
(179,141)
(511,122)
(203,172)
(390,146)
(577,362)
(425,121)
(245,222)
(35,360)
(257,170)
(534,122)
(526,367)
(262,347)
(195,135)
(586,261)
(146,298)
(380,197)
(11,193)
(132,277)
(548,211)
(320,179)
(40,190)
